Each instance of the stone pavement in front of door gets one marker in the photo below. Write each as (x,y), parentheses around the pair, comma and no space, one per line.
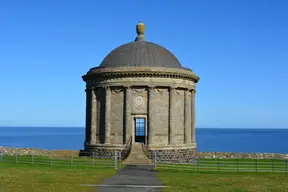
(132,178)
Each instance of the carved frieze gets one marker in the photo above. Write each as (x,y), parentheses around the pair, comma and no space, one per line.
(160,90)
(179,92)
(138,90)
(117,90)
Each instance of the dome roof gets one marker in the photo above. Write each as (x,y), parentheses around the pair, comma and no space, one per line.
(140,53)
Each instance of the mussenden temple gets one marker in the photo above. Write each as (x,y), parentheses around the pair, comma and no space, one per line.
(140,95)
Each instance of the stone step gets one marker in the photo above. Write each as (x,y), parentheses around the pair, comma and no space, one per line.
(137,156)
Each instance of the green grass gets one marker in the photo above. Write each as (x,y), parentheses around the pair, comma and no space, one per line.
(66,174)
(232,165)
(187,180)
(39,178)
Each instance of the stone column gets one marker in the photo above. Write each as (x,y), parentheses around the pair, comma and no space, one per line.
(93,117)
(187,117)
(193,115)
(171,115)
(88,116)
(107,114)
(150,115)
(128,128)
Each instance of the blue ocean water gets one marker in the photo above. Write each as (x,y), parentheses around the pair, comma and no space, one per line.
(216,140)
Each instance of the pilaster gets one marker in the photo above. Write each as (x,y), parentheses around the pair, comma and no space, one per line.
(187,117)
(128,128)
(193,116)
(171,115)
(107,114)
(88,117)
(150,115)
(93,117)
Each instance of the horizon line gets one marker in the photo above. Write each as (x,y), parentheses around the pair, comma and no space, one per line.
(12,126)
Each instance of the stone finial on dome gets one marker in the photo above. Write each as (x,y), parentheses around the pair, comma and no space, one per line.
(140,28)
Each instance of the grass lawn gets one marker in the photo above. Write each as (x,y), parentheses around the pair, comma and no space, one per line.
(59,161)
(34,178)
(185,180)
(233,165)
(17,174)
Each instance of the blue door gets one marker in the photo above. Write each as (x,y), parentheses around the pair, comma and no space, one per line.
(140,125)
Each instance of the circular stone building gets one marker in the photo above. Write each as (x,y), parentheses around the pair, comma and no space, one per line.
(141,93)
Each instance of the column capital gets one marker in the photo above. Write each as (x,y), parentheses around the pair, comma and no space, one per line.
(127,86)
(187,90)
(106,87)
(173,87)
(151,88)
(88,89)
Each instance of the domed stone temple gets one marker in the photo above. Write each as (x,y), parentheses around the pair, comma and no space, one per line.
(140,93)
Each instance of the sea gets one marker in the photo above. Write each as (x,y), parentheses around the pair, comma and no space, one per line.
(208,139)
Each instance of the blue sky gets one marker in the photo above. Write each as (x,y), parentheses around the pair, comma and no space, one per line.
(238,48)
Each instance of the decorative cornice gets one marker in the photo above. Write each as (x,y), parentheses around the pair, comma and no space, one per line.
(100,73)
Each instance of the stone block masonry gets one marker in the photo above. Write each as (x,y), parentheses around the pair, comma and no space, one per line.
(201,155)
(176,156)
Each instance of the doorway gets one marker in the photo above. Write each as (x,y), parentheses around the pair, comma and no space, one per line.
(140,129)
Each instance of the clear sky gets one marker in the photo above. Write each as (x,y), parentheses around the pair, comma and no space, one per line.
(238,48)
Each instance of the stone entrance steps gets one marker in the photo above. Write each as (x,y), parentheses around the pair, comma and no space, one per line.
(137,156)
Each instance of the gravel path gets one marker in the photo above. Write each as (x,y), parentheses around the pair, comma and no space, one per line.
(132,178)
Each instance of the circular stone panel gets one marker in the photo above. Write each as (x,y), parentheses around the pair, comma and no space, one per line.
(138,102)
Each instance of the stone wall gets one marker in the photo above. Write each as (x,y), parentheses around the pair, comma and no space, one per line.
(129,97)
(178,117)
(117,116)
(160,116)
(166,126)
(176,156)
(99,152)
(227,155)
(100,114)
(201,155)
